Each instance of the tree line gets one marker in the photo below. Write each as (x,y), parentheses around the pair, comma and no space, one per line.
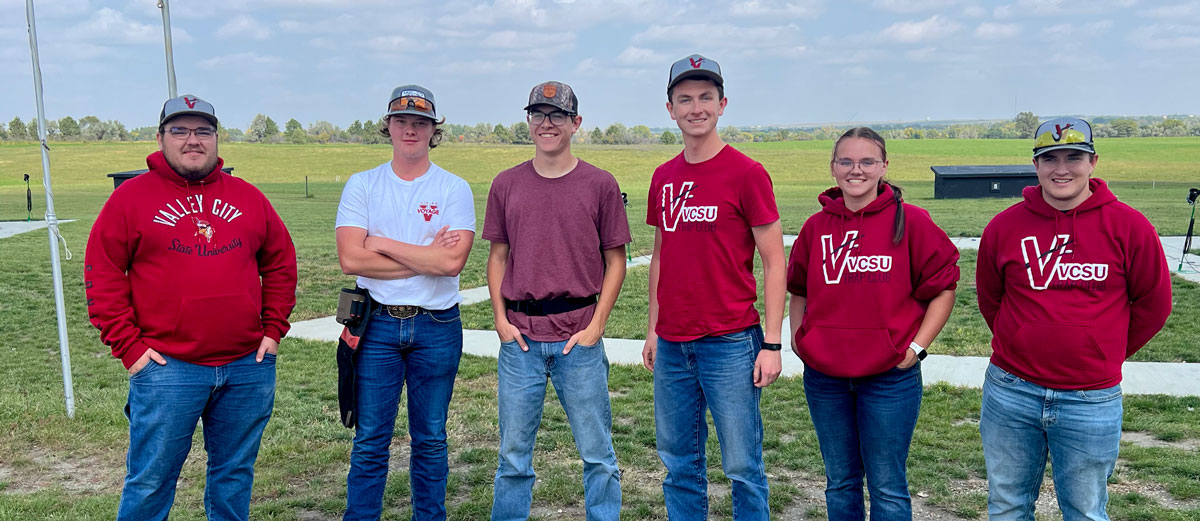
(263,129)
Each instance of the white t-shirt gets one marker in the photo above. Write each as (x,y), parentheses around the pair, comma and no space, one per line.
(408,211)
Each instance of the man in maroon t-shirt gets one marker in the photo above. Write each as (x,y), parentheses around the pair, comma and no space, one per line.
(711,207)
(558,231)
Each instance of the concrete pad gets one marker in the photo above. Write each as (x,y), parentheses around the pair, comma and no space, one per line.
(10,228)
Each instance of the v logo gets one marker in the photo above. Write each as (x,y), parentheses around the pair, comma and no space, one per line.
(1041,266)
(696,63)
(834,256)
(673,204)
(191,102)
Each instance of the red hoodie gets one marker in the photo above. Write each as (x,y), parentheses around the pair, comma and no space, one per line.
(1070,295)
(175,266)
(866,297)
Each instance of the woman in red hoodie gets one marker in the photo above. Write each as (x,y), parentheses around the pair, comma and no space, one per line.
(872,280)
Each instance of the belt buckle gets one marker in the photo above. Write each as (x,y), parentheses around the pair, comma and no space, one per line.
(403,311)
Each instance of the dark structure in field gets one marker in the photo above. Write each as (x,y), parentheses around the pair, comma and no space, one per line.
(971,181)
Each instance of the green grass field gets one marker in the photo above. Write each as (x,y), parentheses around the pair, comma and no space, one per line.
(54,468)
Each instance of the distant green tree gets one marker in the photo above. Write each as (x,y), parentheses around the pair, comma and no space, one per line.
(68,127)
(1027,124)
(616,134)
(257,131)
(272,130)
(501,134)
(597,136)
(1124,127)
(520,133)
(641,134)
(294,132)
(667,138)
(32,130)
(17,130)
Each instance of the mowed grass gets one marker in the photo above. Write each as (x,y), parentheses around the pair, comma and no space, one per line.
(54,468)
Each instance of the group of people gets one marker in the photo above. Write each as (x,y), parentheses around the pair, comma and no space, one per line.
(191,276)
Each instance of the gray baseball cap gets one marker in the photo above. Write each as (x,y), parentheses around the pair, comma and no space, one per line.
(412,99)
(695,66)
(185,105)
(1060,133)
(556,94)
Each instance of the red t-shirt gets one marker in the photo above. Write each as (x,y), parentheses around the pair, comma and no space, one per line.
(705,212)
(556,230)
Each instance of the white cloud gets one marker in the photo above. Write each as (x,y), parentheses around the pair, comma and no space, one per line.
(478,67)
(914,6)
(110,26)
(239,59)
(933,28)
(924,54)
(853,57)
(720,39)
(1184,11)
(776,8)
(243,26)
(995,31)
(638,56)
(974,11)
(541,41)
(1160,37)
(585,66)
(1088,29)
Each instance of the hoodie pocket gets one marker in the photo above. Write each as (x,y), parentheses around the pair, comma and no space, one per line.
(1057,350)
(849,352)
(219,323)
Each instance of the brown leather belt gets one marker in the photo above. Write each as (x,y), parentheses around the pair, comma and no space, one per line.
(401,311)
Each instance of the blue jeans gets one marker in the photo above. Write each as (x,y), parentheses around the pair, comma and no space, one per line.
(581,380)
(422,352)
(714,373)
(865,426)
(1022,422)
(165,402)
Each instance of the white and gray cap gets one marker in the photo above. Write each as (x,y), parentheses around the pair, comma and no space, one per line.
(187,105)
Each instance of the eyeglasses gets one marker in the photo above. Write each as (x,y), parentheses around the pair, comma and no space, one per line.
(202,133)
(411,102)
(867,165)
(558,118)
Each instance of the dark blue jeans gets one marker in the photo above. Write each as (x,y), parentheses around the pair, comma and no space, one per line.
(714,373)
(865,426)
(421,352)
(165,402)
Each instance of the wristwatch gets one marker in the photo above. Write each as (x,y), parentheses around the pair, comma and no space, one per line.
(920,351)
(767,346)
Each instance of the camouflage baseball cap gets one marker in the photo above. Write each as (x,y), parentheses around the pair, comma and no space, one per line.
(556,94)
(185,105)
(1060,133)
(695,66)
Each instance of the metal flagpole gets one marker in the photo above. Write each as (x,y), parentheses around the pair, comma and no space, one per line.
(166,12)
(51,219)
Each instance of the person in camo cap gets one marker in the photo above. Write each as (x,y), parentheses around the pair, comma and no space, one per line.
(558,231)
(1071,282)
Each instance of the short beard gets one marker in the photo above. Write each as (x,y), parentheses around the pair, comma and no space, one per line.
(194,174)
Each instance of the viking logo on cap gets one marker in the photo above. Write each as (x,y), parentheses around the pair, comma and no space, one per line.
(191,103)
(1058,131)
(696,62)
(549,90)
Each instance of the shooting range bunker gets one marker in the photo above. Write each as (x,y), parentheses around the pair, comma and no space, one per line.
(973,181)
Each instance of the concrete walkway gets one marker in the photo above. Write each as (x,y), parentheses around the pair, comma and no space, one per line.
(10,228)
(1175,379)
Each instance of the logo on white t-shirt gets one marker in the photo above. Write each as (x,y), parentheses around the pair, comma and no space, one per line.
(427,210)
(1044,268)
(836,258)
(674,207)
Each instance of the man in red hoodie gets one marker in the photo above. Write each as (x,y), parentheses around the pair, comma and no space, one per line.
(1071,283)
(190,276)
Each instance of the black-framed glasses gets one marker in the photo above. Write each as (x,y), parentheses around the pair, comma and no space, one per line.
(202,133)
(867,165)
(558,118)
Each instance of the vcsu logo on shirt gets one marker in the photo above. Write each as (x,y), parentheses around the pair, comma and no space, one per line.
(674,207)
(1044,268)
(427,210)
(836,258)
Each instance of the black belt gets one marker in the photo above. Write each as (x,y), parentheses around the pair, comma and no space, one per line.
(552,306)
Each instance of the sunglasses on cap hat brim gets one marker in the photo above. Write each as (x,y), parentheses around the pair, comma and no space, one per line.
(411,103)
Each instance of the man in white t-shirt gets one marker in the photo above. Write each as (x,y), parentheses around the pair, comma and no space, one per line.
(405,229)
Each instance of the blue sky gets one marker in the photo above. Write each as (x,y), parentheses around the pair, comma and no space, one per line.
(785,62)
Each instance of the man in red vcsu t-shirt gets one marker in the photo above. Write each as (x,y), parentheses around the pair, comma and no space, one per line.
(558,231)
(711,207)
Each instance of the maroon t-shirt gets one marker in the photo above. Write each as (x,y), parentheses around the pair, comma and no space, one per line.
(556,230)
(705,212)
